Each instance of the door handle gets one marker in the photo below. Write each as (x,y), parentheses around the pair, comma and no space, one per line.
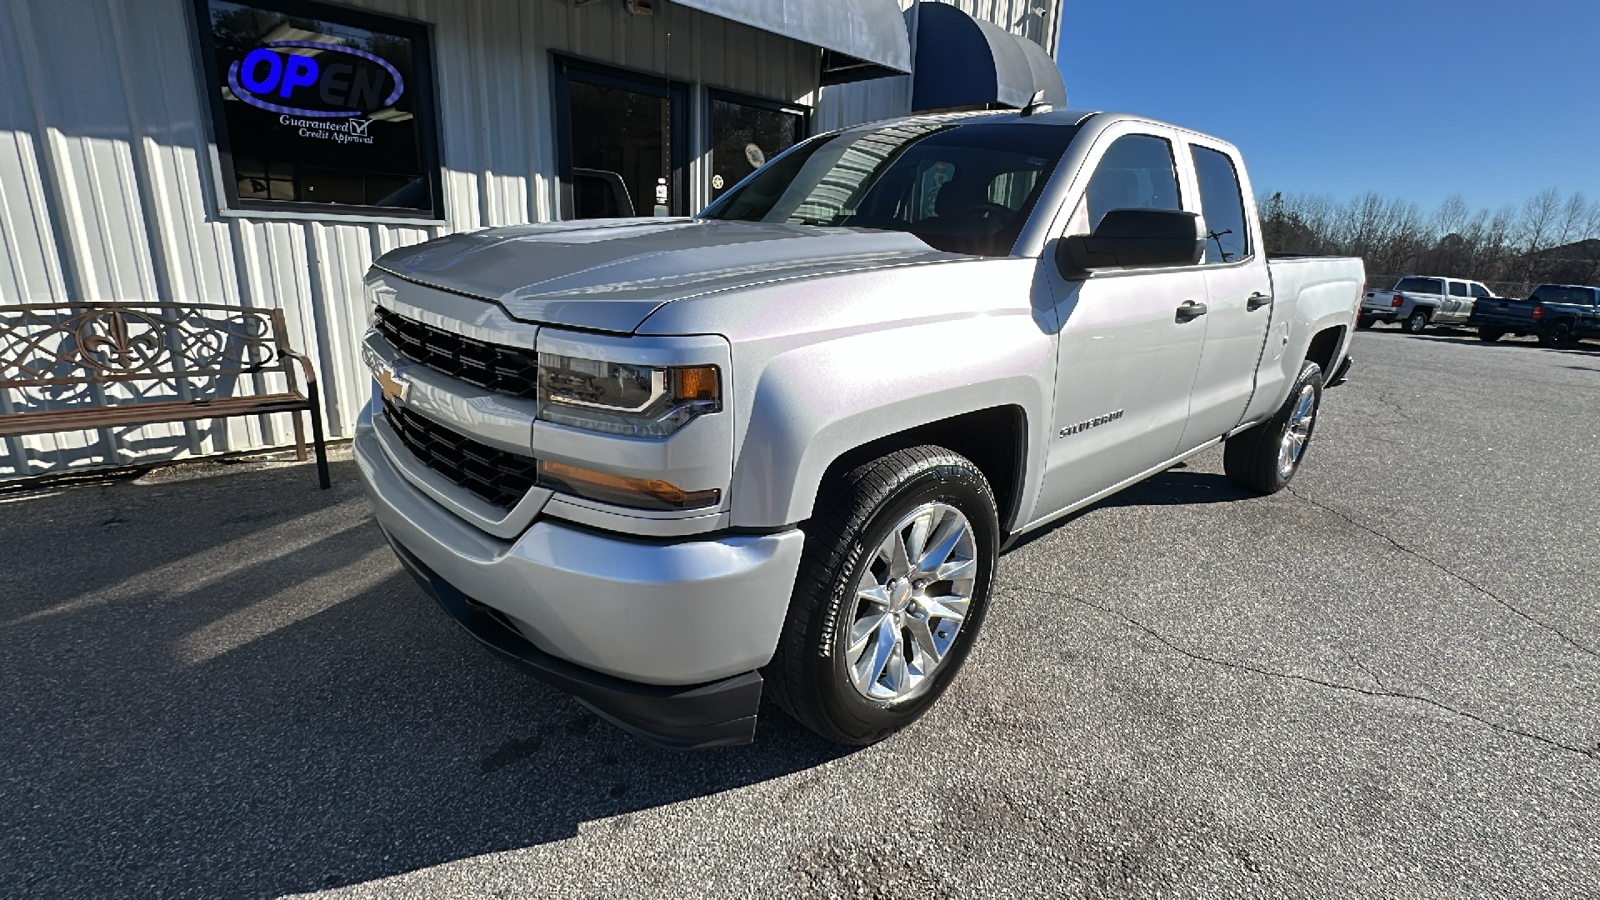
(1191,310)
(1258,300)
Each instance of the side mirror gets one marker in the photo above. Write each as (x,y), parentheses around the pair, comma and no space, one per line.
(1133,237)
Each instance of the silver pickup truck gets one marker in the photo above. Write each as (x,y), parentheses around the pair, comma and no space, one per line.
(1417,301)
(668,464)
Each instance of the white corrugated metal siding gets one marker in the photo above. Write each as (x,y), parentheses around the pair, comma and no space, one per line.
(107,189)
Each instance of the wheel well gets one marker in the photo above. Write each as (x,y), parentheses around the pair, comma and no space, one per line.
(1323,346)
(994,439)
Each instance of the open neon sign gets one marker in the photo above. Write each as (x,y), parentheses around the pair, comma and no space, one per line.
(346,89)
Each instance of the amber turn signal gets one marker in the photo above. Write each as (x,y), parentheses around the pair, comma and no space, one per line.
(696,383)
(638,493)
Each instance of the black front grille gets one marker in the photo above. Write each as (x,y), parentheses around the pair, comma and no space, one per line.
(497,476)
(507,370)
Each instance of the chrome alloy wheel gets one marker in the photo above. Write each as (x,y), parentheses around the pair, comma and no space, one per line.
(1297,432)
(911,602)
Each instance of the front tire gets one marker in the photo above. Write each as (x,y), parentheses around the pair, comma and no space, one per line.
(1416,323)
(1265,458)
(1364,322)
(1490,335)
(893,586)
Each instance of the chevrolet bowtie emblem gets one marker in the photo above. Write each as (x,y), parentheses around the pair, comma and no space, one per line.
(391,384)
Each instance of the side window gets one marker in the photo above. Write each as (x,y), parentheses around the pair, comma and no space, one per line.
(1222,204)
(1135,173)
(1457,289)
(1478,290)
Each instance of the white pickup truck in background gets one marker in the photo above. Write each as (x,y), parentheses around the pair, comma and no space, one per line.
(1417,301)
(669,464)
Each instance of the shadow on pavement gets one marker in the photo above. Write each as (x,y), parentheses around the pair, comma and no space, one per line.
(1581,349)
(227,687)
(1178,486)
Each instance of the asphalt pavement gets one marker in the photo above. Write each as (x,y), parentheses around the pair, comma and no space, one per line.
(216,682)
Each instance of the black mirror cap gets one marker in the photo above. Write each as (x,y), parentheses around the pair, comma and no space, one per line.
(1128,238)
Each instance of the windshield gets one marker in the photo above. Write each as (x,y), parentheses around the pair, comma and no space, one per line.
(1419,286)
(960,188)
(1555,293)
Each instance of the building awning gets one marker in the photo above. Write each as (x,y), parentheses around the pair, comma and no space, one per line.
(964,62)
(860,38)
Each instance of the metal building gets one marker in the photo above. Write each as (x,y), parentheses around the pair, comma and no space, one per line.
(262,152)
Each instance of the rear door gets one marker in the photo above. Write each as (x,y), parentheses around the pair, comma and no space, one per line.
(1478,292)
(1238,291)
(1459,303)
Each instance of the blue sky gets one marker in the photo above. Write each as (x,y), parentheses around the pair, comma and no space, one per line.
(1494,101)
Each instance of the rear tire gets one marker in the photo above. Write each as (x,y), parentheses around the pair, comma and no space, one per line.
(1265,458)
(1558,335)
(1490,335)
(1364,322)
(826,672)
(1416,322)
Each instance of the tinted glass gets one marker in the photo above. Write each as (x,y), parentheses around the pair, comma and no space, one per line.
(1555,293)
(960,188)
(1478,290)
(1222,205)
(1457,289)
(744,137)
(1135,173)
(621,151)
(325,107)
(1420,286)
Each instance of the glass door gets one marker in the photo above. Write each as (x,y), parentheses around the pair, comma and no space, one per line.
(745,133)
(621,143)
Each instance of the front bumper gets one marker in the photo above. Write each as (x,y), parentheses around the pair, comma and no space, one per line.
(652,620)
(691,717)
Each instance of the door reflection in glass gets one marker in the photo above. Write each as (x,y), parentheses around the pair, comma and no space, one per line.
(744,137)
(621,152)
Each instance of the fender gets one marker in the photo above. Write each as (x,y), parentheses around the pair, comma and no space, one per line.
(1324,297)
(814,403)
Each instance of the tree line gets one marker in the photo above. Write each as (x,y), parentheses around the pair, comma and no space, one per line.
(1548,238)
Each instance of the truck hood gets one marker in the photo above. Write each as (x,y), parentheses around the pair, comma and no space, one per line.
(611,274)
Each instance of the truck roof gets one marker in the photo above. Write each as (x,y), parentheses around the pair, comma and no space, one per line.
(1051,117)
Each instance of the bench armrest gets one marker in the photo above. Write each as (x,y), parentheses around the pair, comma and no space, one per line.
(305,366)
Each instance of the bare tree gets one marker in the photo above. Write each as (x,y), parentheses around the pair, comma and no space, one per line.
(1547,237)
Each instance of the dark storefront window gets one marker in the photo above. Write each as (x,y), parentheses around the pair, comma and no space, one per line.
(622,139)
(745,133)
(319,107)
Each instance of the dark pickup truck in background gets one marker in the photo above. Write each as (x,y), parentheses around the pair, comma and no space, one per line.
(1557,314)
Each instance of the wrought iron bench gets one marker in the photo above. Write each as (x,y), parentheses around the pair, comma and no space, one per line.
(72,366)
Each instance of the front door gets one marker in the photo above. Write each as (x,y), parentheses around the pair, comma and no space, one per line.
(1240,300)
(622,142)
(1127,360)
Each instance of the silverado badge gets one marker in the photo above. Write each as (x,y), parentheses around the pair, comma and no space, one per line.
(1087,424)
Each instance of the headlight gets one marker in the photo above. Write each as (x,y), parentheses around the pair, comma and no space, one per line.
(620,398)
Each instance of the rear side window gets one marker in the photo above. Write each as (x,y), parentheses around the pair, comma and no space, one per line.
(1135,173)
(1420,286)
(1227,237)
(1457,289)
(1479,290)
